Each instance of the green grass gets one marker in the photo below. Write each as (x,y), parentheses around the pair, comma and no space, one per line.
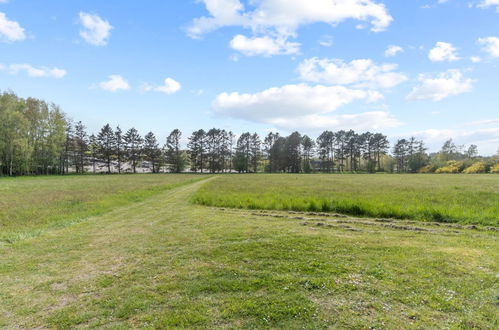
(467,199)
(163,262)
(31,205)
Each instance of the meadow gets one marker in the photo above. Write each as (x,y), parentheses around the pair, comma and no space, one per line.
(146,256)
(466,199)
(30,205)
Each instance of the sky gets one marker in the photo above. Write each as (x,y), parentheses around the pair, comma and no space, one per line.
(424,68)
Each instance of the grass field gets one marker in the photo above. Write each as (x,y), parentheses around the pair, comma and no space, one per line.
(469,199)
(159,261)
(30,205)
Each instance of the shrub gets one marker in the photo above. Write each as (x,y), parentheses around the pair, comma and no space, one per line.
(428,169)
(479,167)
(495,169)
(453,166)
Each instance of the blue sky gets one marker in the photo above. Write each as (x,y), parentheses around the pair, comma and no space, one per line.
(262,65)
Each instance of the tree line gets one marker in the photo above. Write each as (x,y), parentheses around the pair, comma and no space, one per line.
(38,138)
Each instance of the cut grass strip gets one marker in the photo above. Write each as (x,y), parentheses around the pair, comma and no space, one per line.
(67,212)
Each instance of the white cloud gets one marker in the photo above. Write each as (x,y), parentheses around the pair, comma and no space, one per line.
(265,46)
(114,84)
(475,59)
(280,19)
(360,73)
(34,72)
(489,3)
(289,101)
(285,16)
(449,83)
(223,13)
(96,31)
(170,87)
(365,121)
(300,105)
(326,41)
(393,50)
(486,138)
(443,51)
(10,30)
(483,122)
(491,45)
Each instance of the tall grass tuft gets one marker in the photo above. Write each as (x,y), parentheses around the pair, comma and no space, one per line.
(444,198)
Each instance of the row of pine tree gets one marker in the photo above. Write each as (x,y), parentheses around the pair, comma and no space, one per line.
(37,138)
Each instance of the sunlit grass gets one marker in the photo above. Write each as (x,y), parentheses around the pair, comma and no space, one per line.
(442,198)
(165,263)
(31,205)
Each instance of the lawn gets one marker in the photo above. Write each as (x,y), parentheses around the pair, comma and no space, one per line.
(468,199)
(30,205)
(162,262)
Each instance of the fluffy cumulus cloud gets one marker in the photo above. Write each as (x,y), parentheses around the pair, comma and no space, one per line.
(286,16)
(303,106)
(359,73)
(445,84)
(489,3)
(115,83)
(95,30)
(280,19)
(443,51)
(393,50)
(289,101)
(34,72)
(10,30)
(490,45)
(222,13)
(365,121)
(170,86)
(266,46)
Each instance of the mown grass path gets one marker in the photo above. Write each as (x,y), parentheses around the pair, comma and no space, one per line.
(30,206)
(164,262)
